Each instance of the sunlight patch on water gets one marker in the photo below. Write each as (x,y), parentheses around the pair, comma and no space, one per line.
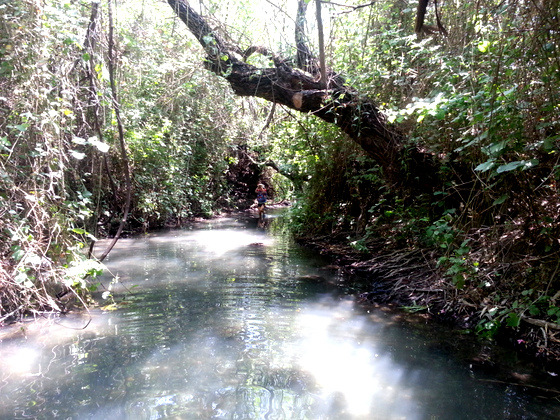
(220,241)
(18,361)
(353,374)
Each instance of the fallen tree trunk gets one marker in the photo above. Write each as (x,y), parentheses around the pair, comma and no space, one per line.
(356,115)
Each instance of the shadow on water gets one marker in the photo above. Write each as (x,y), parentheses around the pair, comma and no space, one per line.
(228,321)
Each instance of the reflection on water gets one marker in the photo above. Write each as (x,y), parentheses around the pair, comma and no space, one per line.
(226,321)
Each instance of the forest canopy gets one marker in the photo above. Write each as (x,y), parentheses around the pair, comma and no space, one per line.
(391,125)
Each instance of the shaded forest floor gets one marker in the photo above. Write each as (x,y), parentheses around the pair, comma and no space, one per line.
(409,280)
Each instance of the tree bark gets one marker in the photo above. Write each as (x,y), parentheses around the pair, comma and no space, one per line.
(124,156)
(323,79)
(301,89)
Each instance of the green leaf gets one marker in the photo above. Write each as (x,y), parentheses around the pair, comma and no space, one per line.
(510,166)
(5,144)
(513,320)
(550,143)
(93,287)
(77,155)
(80,231)
(21,278)
(523,164)
(496,148)
(18,254)
(459,280)
(483,167)
(531,163)
(534,310)
(553,311)
(483,46)
(500,200)
(208,40)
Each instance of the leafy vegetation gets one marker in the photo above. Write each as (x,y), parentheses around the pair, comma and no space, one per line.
(62,172)
(482,101)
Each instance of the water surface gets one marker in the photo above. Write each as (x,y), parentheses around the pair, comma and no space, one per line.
(228,321)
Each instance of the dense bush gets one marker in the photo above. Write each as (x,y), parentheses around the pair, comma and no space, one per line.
(484,102)
(63,177)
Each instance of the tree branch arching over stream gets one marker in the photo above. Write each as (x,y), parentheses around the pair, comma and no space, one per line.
(301,89)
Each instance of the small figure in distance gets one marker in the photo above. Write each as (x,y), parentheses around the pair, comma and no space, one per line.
(261,199)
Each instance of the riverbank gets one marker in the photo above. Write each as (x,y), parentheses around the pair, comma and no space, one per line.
(410,280)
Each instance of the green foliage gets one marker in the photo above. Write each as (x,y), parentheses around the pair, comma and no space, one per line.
(340,192)
(440,232)
(44,202)
(484,101)
(529,303)
(60,172)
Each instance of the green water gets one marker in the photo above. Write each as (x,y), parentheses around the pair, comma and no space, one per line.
(227,321)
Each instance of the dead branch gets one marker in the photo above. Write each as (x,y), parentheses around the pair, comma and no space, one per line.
(541,323)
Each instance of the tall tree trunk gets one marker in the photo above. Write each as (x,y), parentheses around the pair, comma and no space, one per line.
(322,62)
(302,90)
(124,156)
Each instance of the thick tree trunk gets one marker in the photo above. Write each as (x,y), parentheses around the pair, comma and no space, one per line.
(356,115)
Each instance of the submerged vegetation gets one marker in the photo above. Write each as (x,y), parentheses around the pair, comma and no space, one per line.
(110,125)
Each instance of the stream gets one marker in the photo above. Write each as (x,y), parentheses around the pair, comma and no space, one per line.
(226,320)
